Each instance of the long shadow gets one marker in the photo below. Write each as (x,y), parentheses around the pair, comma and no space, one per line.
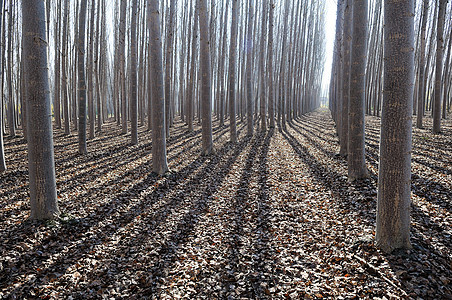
(264,254)
(215,175)
(241,201)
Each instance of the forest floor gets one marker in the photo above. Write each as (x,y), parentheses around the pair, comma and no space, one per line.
(272,216)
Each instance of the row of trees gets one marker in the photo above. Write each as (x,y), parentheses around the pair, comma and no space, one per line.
(194,60)
(390,63)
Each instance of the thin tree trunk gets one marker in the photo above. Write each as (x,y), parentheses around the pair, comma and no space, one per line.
(82,149)
(64,70)
(205,69)
(249,70)
(159,160)
(133,74)
(356,146)
(439,66)
(41,166)
(233,73)
(421,91)
(122,57)
(394,179)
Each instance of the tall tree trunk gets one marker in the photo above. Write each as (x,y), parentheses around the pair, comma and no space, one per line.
(64,70)
(41,166)
(157,94)
(421,90)
(394,179)
(346,77)
(233,72)
(356,146)
(169,66)
(133,74)
(9,79)
(446,73)
(122,57)
(263,86)
(2,151)
(90,62)
(82,149)
(271,104)
(57,81)
(249,70)
(439,66)
(206,92)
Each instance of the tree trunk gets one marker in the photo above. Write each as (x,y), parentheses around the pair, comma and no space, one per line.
(263,86)
(41,166)
(394,179)
(356,146)
(122,57)
(57,81)
(233,73)
(133,74)
(249,70)
(2,151)
(206,105)
(271,104)
(421,90)
(157,94)
(82,149)
(439,66)
(64,70)
(346,77)
(90,62)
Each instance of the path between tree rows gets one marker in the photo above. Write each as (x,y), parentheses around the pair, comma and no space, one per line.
(270,217)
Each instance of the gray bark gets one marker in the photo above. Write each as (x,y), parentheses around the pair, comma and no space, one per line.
(233,73)
(346,77)
(249,70)
(356,147)
(206,92)
(43,196)
(2,151)
(64,70)
(122,57)
(421,91)
(439,66)
(82,149)
(271,101)
(133,75)
(394,179)
(159,160)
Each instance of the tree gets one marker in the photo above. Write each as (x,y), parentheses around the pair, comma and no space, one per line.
(347,36)
(122,64)
(356,146)
(271,104)
(67,128)
(206,92)
(439,66)
(233,72)
(41,165)
(421,89)
(394,179)
(249,70)
(159,161)
(133,74)
(2,151)
(82,149)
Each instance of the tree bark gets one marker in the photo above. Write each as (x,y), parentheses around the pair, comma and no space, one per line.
(133,74)
(249,70)
(41,166)
(206,98)
(122,57)
(2,151)
(157,94)
(82,149)
(394,180)
(356,147)
(439,66)
(346,77)
(233,73)
(421,90)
